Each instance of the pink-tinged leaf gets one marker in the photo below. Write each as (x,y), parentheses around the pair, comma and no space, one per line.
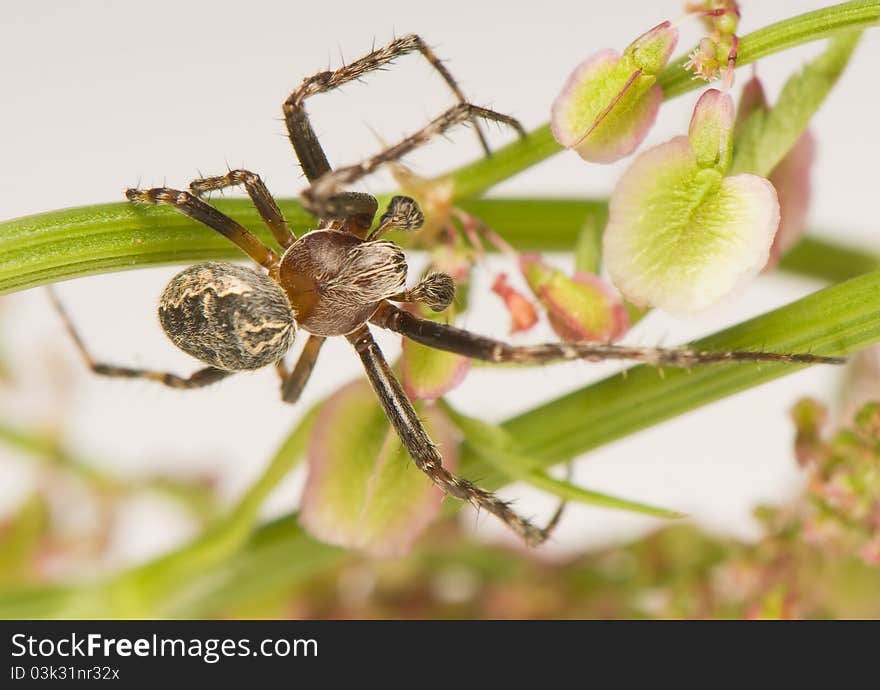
(523,315)
(602,113)
(610,101)
(681,237)
(580,143)
(428,373)
(790,176)
(581,308)
(751,100)
(572,114)
(792,181)
(363,490)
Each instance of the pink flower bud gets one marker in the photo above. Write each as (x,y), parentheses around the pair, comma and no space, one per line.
(652,49)
(703,60)
(579,308)
(711,130)
(523,313)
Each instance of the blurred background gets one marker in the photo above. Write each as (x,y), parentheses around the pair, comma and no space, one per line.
(99,96)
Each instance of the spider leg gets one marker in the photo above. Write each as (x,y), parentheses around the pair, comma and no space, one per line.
(260,196)
(322,197)
(199,379)
(197,209)
(359,208)
(293,382)
(452,339)
(419,445)
(560,509)
(302,136)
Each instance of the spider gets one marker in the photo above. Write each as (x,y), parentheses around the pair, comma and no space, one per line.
(340,278)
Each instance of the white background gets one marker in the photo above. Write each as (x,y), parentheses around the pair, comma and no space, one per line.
(98,96)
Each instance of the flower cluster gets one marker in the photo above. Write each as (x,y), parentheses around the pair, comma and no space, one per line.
(843,513)
(686,227)
(716,53)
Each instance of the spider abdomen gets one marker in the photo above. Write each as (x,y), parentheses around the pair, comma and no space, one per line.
(228,316)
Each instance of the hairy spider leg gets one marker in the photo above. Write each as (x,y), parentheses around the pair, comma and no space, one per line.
(322,197)
(198,379)
(302,136)
(435,290)
(462,342)
(294,381)
(260,196)
(422,450)
(292,384)
(351,212)
(198,210)
(359,209)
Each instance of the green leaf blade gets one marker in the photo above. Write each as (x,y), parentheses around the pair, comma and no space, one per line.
(834,321)
(769,136)
(499,449)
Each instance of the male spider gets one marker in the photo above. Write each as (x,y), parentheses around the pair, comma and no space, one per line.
(341,276)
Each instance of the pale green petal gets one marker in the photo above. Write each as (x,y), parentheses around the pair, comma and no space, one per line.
(428,373)
(363,490)
(605,108)
(681,238)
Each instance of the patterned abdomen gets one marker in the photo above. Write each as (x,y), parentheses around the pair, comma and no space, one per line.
(228,316)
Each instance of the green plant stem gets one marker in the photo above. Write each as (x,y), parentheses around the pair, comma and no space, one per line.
(491,443)
(834,321)
(816,258)
(785,34)
(276,556)
(64,244)
(84,241)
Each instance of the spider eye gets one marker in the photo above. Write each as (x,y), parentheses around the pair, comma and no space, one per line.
(228,316)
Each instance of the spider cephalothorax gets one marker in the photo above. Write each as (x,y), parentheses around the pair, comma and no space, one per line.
(340,278)
(335,280)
